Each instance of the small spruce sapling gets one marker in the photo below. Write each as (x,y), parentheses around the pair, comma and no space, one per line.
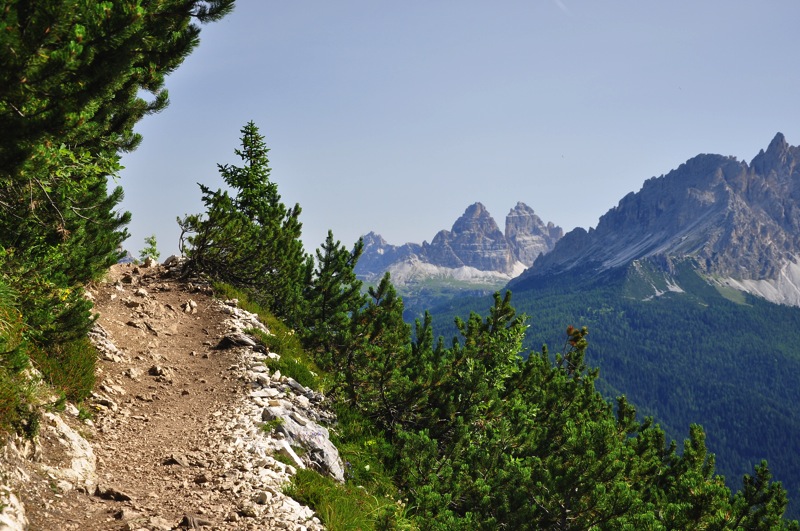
(150,249)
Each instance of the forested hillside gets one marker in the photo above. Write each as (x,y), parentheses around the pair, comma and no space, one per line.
(684,358)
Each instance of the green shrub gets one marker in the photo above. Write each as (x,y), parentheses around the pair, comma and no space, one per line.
(68,367)
(9,396)
(13,354)
(9,401)
(15,415)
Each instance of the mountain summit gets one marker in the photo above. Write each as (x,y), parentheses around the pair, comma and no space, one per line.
(474,247)
(737,224)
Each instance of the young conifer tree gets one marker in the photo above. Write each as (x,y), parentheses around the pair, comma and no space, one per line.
(333,295)
(250,239)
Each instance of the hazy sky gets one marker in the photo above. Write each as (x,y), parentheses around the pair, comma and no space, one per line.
(395,116)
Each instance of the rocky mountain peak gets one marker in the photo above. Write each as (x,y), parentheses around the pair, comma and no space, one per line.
(372,239)
(474,241)
(779,158)
(736,222)
(528,234)
(778,148)
(476,219)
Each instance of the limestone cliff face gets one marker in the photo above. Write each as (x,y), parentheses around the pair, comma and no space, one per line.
(379,255)
(528,235)
(475,241)
(738,222)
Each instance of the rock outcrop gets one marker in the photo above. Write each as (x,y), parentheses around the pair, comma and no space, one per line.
(474,241)
(528,235)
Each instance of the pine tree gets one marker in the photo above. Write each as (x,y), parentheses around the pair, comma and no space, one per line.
(333,296)
(250,239)
(68,235)
(73,70)
(378,346)
(70,94)
(70,87)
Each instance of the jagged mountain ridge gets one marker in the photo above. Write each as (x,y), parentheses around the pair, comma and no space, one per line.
(738,223)
(474,249)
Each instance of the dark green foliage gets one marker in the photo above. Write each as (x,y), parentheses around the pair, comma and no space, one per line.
(13,348)
(73,70)
(15,413)
(376,350)
(10,401)
(69,98)
(684,358)
(333,295)
(478,436)
(483,439)
(250,240)
(758,505)
(49,251)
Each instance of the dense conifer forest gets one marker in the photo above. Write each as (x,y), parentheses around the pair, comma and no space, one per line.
(685,358)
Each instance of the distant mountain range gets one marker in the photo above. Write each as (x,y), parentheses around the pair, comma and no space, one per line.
(736,224)
(475,250)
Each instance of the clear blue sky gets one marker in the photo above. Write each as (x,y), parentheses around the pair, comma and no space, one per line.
(395,116)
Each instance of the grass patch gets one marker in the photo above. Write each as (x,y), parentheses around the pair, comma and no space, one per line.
(271,425)
(346,507)
(364,449)
(17,393)
(17,412)
(369,498)
(291,363)
(733,295)
(294,362)
(68,368)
